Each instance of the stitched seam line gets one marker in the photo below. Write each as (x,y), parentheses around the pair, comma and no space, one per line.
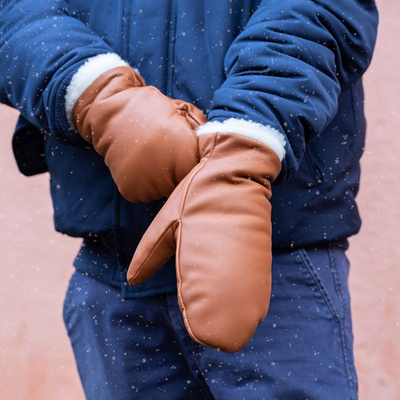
(342,335)
(152,251)
(194,367)
(308,263)
(179,220)
(187,123)
(178,261)
(184,118)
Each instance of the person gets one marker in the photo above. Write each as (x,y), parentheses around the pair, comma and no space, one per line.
(215,106)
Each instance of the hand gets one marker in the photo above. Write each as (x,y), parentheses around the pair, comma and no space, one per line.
(218,221)
(147,139)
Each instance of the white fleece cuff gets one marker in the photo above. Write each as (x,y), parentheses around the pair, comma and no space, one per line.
(85,76)
(264,134)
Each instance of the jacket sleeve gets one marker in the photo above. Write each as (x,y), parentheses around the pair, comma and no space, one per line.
(41,48)
(286,69)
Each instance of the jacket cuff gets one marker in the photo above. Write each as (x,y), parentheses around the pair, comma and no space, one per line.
(264,134)
(85,76)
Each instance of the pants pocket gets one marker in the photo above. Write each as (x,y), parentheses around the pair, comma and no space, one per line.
(329,268)
(318,264)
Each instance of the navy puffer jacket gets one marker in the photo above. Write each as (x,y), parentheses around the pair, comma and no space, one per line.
(293,65)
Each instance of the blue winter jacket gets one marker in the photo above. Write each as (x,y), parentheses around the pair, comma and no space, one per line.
(295,65)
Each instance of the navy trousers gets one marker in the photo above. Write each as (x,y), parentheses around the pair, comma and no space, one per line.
(139,348)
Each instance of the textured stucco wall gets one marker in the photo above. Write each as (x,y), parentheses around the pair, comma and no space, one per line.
(36,361)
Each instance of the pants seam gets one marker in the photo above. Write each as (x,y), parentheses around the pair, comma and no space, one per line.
(191,363)
(342,333)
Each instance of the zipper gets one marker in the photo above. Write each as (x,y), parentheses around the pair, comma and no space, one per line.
(126,14)
(171,48)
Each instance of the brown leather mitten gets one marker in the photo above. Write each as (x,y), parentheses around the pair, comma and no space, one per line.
(218,221)
(147,139)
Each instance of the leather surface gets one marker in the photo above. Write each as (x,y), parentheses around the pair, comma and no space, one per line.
(218,221)
(147,139)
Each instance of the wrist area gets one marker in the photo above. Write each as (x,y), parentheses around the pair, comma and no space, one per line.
(106,87)
(84,77)
(263,134)
(236,159)
(248,149)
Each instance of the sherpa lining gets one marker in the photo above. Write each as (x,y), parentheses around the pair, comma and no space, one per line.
(261,133)
(85,76)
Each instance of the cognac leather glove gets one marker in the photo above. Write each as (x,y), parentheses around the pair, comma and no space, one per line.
(218,221)
(147,139)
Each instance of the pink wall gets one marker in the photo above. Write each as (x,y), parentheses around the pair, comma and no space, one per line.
(35,357)
(375,252)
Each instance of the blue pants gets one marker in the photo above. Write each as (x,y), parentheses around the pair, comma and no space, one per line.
(139,348)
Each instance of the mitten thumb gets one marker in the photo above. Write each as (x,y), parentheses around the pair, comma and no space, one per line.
(158,244)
